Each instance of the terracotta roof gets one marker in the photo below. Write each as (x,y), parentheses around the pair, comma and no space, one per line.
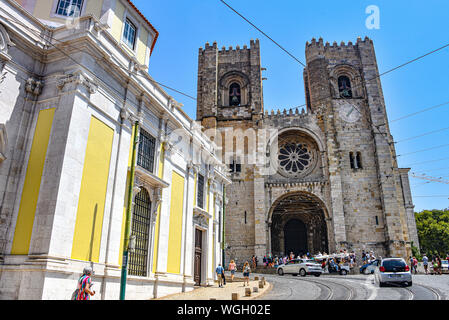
(148,22)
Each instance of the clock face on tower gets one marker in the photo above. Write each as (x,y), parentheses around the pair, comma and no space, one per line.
(349,113)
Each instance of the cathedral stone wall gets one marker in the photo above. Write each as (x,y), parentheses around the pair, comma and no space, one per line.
(363,195)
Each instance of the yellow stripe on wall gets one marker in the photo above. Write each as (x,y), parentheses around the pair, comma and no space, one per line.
(156,231)
(117,24)
(174,237)
(33,177)
(92,196)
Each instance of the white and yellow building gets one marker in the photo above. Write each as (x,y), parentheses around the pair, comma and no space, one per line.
(72,91)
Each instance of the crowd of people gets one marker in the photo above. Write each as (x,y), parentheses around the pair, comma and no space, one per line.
(343,257)
(333,262)
(435,262)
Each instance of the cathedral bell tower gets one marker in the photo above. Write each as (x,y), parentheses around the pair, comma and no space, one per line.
(368,189)
(229,84)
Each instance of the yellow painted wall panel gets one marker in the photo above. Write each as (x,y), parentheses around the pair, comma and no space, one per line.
(94,7)
(117,24)
(92,196)
(31,187)
(175,233)
(142,46)
(43,9)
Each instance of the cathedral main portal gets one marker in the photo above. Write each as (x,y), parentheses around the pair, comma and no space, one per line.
(298,225)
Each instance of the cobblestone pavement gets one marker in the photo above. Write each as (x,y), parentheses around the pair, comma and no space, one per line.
(224,293)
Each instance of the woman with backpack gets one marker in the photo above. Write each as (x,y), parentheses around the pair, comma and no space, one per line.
(246,272)
(233,268)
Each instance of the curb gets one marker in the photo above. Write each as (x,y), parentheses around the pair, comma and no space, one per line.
(236,279)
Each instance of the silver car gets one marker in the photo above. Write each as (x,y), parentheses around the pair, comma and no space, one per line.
(302,267)
(393,270)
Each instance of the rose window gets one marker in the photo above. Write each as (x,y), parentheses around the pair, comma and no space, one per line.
(295,158)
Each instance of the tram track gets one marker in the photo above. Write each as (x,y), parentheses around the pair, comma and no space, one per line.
(412,294)
(330,288)
(332,292)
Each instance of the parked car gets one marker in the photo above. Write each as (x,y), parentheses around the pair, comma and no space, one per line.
(302,267)
(343,268)
(393,270)
(369,268)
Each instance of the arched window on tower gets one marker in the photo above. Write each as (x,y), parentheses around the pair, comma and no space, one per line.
(358,159)
(235,97)
(344,87)
(355,160)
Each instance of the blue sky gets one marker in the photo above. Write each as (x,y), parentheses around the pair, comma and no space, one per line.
(408,29)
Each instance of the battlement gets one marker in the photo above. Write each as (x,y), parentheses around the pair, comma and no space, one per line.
(254,44)
(319,48)
(320,43)
(286,113)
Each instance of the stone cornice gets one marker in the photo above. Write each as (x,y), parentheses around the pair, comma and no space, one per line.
(296,184)
(72,81)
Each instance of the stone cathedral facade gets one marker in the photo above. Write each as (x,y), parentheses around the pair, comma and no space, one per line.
(336,182)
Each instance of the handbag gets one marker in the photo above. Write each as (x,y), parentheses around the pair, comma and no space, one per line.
(75,294)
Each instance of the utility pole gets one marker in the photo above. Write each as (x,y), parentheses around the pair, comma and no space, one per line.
(223,227)
(128,214)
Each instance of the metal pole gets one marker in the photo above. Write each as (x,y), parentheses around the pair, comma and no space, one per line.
(223,227)
(128,214)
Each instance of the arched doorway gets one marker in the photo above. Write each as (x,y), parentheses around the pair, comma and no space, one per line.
(295,235)
(298,225)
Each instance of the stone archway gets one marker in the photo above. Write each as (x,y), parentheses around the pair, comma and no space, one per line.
(298,224)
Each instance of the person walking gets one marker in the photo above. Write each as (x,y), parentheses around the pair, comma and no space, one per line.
(84,286)
(415,265)
(219,271)
(438,259)
(425,262)
(233,268)
(246,272)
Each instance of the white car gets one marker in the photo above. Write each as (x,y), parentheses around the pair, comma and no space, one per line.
(393,270)
(302,267)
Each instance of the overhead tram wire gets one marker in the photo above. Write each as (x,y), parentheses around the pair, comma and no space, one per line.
(422,135)
(85,68)
(420,111)
(423,150)
(429,161)
(382,74)
(363,82)
(432,196)
(258,29)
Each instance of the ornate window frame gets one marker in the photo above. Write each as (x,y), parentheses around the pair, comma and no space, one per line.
(55,6)
(225,83)
(354,77)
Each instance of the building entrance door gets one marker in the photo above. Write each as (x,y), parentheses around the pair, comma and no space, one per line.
(295,235)
(198,254)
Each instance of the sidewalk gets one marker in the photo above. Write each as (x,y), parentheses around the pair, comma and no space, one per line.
(225,293)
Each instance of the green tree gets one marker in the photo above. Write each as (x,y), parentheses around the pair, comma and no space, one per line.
(433,231)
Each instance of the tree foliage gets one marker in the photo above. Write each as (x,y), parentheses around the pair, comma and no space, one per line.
(433,231)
